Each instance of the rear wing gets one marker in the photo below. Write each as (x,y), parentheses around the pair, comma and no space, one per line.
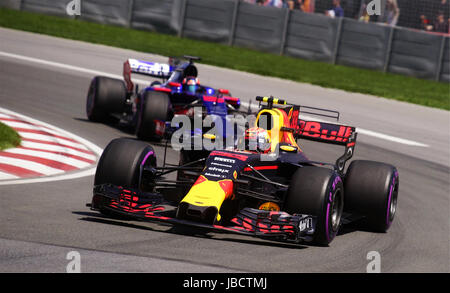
(325,132)
(153,69)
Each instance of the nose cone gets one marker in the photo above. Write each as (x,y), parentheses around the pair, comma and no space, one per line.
(204,199)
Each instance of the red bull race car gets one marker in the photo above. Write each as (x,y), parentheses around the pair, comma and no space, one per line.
(264,186)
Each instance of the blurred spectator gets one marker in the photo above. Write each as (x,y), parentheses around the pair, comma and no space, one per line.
(425,23)
(337,10)
(276,3)
(442,21)
(285,4)
(308,6)
(365,17)
(443,8)
(429,15)
(435,16)
(430,11)
(392,12)
(295,4)
(441,24)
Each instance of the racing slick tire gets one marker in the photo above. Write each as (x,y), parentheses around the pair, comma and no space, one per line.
(156,106)
(105,96)
(318,192)
(121,161)
(371,190)
(120,164)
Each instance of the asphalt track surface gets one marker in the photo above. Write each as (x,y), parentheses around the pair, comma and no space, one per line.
(42,222)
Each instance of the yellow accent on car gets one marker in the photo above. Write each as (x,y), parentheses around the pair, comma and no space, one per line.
(209,136)
(274,100)
(274,131)
(207,194)
(288,148)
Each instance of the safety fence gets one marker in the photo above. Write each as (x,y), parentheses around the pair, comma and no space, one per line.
(428,15)
(282,31)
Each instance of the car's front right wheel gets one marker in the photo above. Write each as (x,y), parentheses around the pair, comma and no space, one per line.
(318,192)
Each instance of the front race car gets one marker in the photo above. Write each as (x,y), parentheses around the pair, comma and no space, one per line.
(281,194)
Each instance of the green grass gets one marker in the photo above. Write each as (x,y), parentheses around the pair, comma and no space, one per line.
(9,138)
(392,86)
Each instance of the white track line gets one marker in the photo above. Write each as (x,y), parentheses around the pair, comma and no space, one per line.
(96,72)
(68,67)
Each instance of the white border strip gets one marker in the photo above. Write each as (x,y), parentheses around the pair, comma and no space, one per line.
(68,67)
(77,174)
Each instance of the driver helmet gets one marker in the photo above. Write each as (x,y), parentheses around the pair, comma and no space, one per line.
(257,139)
(191,84)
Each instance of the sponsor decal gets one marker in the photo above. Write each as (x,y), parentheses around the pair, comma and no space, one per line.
(222,165)
(220,170)
(230,155)
(327,131)
(305,224)
(226,160)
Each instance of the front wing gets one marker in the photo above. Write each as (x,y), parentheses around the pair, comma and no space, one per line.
(274,225)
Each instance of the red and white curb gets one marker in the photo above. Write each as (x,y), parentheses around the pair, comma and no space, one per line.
(46,153)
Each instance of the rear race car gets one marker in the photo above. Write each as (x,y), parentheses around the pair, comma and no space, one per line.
(279,195)
(150,110)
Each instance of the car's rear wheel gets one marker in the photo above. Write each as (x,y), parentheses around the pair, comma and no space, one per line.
(319,192)
(371,190)
(155,109)
(105,96)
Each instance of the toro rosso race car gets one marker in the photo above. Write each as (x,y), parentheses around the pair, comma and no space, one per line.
(150,111)
(267,188)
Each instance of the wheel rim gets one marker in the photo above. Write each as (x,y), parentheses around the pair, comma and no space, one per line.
(393,202)
(336,210)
